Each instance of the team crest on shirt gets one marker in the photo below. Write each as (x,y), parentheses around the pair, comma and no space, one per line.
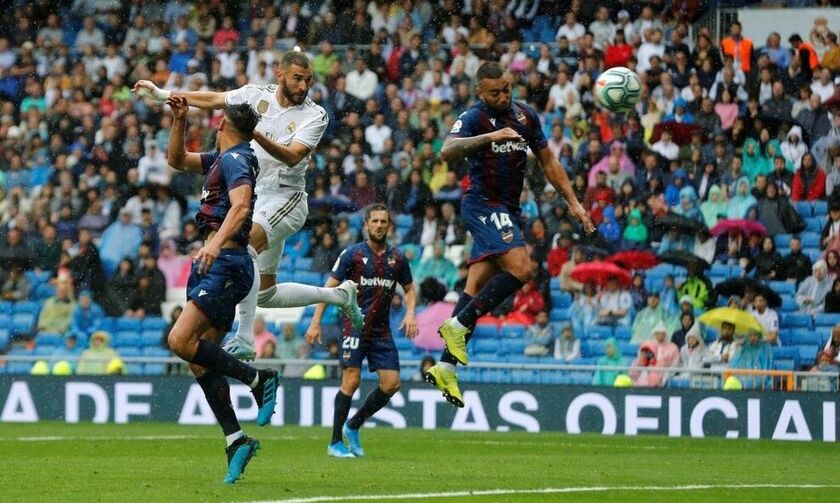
(392,262)
(507,236)
(262,107)
(346,355)
(291,127)
(521,117)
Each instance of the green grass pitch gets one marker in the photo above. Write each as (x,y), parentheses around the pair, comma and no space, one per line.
(153,462)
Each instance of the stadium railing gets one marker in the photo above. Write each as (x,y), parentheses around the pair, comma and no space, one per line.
(517,373)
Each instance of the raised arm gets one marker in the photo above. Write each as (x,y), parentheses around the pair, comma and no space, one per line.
(198,99)
(455,148)
(556,175)
(289,155)
(177,156)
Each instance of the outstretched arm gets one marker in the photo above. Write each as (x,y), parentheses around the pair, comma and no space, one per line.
(455,148)
(177,156)
(556,175)
(198,99)
(289,155)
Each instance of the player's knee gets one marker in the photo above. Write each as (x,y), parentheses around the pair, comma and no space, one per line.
(176,342)
(525,271)
(266,294)
(197,370)
(390,388)
(349,383)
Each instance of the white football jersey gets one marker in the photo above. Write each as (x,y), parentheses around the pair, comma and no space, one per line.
(305,123)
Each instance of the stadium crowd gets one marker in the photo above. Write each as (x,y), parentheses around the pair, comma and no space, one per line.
(96,226)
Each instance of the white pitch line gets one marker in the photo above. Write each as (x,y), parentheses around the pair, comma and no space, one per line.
(548,490)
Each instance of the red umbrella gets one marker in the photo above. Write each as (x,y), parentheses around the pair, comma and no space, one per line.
(680,133)
(600,273)
(745,227)
(634,260)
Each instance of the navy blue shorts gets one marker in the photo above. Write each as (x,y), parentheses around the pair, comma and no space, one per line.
(218,291)
(495,229)
(381,353)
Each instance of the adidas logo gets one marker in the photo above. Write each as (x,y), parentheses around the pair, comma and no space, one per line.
(202,292)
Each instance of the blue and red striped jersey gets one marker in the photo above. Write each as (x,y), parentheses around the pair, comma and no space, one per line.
(224,172)
(497,171)
(377,275)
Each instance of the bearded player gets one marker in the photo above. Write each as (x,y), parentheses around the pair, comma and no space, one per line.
(494,135)
(290,128)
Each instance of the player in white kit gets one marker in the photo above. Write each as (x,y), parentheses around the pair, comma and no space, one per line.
(290,129)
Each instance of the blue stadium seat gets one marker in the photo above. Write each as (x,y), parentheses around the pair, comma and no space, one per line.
(512,330)
(128,324)
(129,352)
(404,221)
(558,314)
(42,291)
(286,276)
(6,307)
(819,208)
(622,333)
(151,338)
(554,284)
(27,307)
(355,220)
(22,324)
(485,346)
(154,369)
(303,264)
(783,288)
(403,344)
(485,331)
(308,278)
(154,323)
(803,208)
(513,347)
(826,320)
(629,349)
(813,253)
(785,364)
(598,332)
(49,339)
(127,340)
(782,240)
(815,224)
(810,239)
(320,355)
(592,348)
(797,320)
(807,354)
(44,350)
(719,269)
(561,299)
(806,336)
(405,355)
(785,352)
(5,338)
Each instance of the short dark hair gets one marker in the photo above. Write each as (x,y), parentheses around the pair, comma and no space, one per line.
(242,117)
(489,70)
(294,58)
(376,207)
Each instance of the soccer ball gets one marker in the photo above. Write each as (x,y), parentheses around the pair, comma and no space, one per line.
(618,89)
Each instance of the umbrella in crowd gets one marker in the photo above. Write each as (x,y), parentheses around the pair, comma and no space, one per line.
(684,259)
(680,133)
(745,227)
(634,260)
(744,322)
(679,223)
(740,286)
(600,273)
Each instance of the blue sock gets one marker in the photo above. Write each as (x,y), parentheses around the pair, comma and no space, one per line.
(212,357)
(500,287)
(375,400)
(217,392)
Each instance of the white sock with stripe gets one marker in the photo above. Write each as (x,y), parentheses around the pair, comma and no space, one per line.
(299,295)
(233,437)
(247,309)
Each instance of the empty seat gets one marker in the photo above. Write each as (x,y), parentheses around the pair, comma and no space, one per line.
(558,314)
(819,208)
(803,208)
(782,240)
(154,323)
(22,324)
(785,364)
(49,339)
(485,332)
(797,320)
(27,307)
(127,340)
(826,320)
(629,349)
(404,221)
(806,336)
(513,347)
(561,299)
(783,287)
(5,338)
(810,239)
(303,264)
(44,350)
(512,330)
(152,338)
(807,354)
(598,332)
(128,324)
(154,369)
(484,346)
(622,333)
(592,348)
(129,352)
(815,224)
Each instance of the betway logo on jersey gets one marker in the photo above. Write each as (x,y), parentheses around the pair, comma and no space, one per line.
(508,146)
(387,283)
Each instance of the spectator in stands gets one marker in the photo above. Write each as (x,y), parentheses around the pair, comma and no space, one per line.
(777,214)
(793,148)
(438,266)
(48,249)
(16,286)
(635,235)
(567,346)
(539,340)
(797,265)
(121,239)
(686,325)
(832,298)
(95,359)
(288,343)
(262,337)
(656,353)
(754,354)
(810,296)
(649,318)
(528,302)
(57,311)
(584,309)
(87,314)
(826,363)
(70,347)
(15,250)
(768,318)
(612,358)
(698,288)
(692,352)
(768,263)
(121,288)
(145,300)
(614,305)
(742,200)
(567,284)
(426,363)
(724,349)
(325,253)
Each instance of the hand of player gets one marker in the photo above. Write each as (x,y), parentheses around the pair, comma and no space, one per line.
(409,325)
(179,105)
(506,134)
(206,256)
(583,217)
(313,334)
(148,89)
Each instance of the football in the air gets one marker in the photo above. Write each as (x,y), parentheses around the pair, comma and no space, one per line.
(618,89)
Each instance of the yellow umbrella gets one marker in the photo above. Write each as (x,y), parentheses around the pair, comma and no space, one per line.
(744,322)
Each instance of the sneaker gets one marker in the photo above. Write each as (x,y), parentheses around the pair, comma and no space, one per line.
(353,439)
(239,454)
(456,340)
(266,395)
(240,349)
(447,382)
(352,309)
(339,450)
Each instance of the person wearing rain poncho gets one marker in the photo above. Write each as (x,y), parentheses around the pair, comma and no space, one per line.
(754,162)
(94,361)
(755,354)
(742,201)
(658,353)
(635,234)
(810,296)
(793,148)
(610,229)
(612,358)
(714,207)
(649,318)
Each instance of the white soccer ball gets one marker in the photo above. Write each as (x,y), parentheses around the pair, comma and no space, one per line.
(618,89)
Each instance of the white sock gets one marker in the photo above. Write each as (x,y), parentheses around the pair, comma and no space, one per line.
(233,437)
(248,311)
(457,323)
(447,366)
(299,295)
